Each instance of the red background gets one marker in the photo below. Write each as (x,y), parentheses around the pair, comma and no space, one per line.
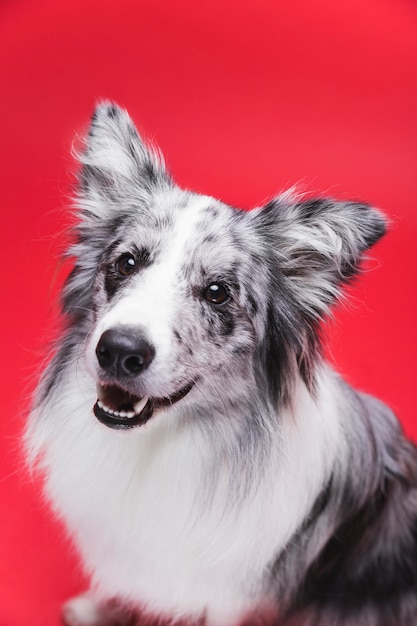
(245,97)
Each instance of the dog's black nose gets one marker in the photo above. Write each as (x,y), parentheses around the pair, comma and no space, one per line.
(124,352)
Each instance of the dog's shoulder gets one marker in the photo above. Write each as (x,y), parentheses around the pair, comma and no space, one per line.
(366,572)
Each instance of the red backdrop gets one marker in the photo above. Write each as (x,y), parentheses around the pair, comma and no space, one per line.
(245,97)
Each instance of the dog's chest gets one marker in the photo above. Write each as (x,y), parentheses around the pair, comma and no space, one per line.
(151,525)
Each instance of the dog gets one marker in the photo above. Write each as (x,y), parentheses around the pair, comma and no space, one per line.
(210,467)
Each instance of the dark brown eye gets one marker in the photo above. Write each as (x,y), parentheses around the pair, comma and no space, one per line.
(126,264)
(216,293)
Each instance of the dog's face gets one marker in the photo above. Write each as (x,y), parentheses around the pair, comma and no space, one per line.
(177,303)
(180,298)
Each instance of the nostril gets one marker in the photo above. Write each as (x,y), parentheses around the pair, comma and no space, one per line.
(104,356)
(124,352)
(134,363)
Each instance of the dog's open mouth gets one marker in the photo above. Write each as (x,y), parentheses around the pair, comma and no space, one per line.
(117,408)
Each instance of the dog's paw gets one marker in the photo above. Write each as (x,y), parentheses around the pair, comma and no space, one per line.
(84,610)
(81,611)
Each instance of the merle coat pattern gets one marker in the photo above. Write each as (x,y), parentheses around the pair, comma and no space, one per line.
(207,462)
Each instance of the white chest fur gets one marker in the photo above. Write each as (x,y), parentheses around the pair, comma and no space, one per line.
(148,521)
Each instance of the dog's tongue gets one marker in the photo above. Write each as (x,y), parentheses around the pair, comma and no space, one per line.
(118,400)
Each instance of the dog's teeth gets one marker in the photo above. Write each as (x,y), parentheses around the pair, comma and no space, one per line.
(140,405)
(105,408)
(127,414)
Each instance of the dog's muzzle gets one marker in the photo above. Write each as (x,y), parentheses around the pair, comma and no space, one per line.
(124,354)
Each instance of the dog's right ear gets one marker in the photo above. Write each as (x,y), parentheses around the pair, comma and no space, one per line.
(117,178)
(117,169)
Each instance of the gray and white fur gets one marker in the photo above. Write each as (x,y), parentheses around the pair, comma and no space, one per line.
(209,465)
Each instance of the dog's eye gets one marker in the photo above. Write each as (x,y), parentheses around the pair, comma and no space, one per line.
(125,264)
(216,293)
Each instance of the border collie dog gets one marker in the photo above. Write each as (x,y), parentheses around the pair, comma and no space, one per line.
(210,467)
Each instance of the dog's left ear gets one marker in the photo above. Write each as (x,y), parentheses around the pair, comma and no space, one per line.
(316,246)
(117,168)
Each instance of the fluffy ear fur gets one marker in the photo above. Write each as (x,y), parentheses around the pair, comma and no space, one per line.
(117,178)
(118,170)
(314,246)
(317,245)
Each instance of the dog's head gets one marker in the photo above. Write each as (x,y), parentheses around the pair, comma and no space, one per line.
(180,296)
